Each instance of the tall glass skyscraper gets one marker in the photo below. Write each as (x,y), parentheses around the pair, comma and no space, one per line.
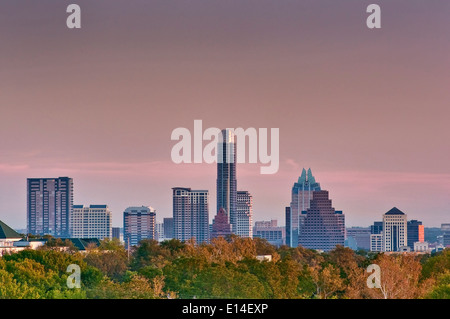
(49,206)
(302,194)
(226,175)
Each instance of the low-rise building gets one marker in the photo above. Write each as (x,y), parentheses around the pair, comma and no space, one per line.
(421,247)
(270,231)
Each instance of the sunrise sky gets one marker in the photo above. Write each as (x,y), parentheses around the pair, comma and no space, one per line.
(367,110)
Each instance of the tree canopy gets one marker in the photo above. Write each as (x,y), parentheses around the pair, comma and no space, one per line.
(225,268)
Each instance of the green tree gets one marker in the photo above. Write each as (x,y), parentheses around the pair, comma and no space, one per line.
(437,265)
(441,290)
(149,253)
(134,287)
(59,244)
(226,282)
(110,258)
(10,288)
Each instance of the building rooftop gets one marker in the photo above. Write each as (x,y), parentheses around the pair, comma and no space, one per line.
(90,206)
(83,243)
(395,211)
(306,181)
(7,232)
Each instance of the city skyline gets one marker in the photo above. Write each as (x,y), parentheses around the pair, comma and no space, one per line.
(367,110)
(301,179)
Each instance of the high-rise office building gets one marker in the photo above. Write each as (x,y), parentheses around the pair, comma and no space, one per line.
(302,194)
(49,206)
(395,234)
(415,232)
(138,223)
(244,215)
(94,221)
(191,214)
(323,227)
(220,226)
(226,175)
(168,228)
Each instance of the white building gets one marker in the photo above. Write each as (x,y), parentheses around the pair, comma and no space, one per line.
(422,247)
(159,232)
(94,221)
(8,237)
(244,215)
(376,242)
(394,230)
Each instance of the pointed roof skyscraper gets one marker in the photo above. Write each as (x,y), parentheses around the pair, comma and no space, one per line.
(302,178)
(311,178)
(302,192)
(395,211)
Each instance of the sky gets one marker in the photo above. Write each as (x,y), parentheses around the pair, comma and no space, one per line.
(367,110)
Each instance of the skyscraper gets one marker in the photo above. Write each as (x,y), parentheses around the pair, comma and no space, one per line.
(94,221)
(49,206)
(302,193)
(220,226)
(226,175)
(416,233)
(323,227)
(394,230)
(191,214)
(244,215)
(138,223)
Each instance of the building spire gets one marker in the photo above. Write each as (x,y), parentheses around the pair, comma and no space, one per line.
(302,178)
(311,178)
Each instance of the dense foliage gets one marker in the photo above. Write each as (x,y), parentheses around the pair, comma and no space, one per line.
(222,269)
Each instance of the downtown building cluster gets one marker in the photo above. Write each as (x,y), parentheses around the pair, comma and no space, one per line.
(394,234)
(51,211)
(311,220)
